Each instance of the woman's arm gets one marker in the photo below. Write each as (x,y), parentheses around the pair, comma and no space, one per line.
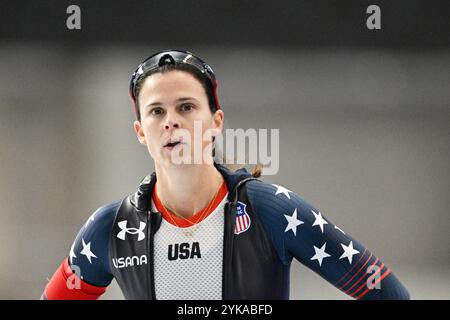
(300,231)
(85,273)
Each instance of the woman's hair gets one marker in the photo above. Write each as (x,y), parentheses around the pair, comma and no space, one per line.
(257,170)
(219,157)
(197,74)
(209,90)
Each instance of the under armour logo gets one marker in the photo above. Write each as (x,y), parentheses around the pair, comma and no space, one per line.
(124,230)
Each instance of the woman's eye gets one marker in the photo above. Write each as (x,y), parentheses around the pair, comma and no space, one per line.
(156,111)
(186,107)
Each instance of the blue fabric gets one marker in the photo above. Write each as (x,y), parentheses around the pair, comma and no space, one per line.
(93,238)
(297,230)
(320,245)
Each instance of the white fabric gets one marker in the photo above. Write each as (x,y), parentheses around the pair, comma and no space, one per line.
(190,278)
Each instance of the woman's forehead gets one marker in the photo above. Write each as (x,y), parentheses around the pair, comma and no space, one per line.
(171,85)
(172,79)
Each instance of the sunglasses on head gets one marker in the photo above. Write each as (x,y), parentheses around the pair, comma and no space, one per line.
(171,57)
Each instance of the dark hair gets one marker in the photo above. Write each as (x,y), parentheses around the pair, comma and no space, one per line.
(206,83)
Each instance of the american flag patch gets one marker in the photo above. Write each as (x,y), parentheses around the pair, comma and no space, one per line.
(242,218)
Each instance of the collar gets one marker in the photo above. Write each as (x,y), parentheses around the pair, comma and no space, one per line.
(141,199)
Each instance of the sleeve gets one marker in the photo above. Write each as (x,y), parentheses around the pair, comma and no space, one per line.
(300,231)
(85,273)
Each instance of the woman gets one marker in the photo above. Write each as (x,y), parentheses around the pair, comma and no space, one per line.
(197,230)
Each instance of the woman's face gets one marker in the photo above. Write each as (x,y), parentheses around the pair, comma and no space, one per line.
(172,104)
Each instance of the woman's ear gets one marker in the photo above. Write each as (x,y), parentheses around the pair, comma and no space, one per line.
(139,132)
(218,119)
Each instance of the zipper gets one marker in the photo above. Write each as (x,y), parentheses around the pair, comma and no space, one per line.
(151,271)
(230,220)
(228,243)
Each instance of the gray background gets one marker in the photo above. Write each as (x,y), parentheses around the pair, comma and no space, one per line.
(364,137)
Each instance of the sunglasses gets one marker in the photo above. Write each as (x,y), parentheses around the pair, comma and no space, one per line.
(171,57)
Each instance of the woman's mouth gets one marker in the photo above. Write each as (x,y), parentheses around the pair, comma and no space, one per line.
(172,145)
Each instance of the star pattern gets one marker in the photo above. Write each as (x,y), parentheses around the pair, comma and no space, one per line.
(349,252)
(282,190)
(91,219)
(72,253)
(87,251)
(293,222)
(336,227)
(320,254)
(320,221)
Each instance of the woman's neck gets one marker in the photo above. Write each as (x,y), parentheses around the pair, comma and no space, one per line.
(185,190)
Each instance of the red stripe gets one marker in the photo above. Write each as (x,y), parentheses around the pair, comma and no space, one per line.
(360,278)
(388,272)
(348,272)
(345,284)
(365,284)
(57,288)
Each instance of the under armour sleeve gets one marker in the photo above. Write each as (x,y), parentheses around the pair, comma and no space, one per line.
(300,231)
(85,273)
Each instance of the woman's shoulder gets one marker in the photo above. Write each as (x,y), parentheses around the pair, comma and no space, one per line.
(89,251)
(107,211)
(102,218)
(271,199)
(262,190)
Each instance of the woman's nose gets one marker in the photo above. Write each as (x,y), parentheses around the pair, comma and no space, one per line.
(171,122)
